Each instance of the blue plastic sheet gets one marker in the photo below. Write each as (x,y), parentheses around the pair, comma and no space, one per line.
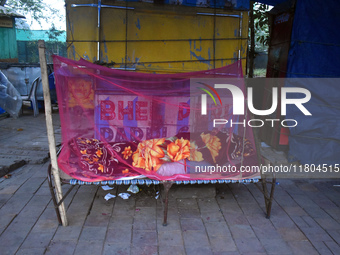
(271,2)
(314,52)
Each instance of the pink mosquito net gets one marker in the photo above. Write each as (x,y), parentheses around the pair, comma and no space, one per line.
(122,124)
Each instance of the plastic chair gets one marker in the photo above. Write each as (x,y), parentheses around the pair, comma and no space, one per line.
(32,96)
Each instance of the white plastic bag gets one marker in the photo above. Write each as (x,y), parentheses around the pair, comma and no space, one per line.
(10,99)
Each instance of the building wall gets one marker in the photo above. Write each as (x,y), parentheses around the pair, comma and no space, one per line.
(157,38)
(27,43)
(35,35)
(9,51)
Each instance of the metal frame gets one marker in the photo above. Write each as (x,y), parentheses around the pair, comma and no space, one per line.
(213,14)
(99,5)
(268,196)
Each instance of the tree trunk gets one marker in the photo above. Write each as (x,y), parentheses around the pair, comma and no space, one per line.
(252,41)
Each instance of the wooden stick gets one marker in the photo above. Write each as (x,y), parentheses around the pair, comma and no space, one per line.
(50,130)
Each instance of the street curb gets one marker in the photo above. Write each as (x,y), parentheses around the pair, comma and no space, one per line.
(7,169)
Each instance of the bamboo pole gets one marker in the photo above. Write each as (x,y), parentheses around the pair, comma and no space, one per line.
(50,130)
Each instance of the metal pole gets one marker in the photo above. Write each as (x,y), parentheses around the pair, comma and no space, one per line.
(252,41)
(167,186)
(240,35)
(50,130)
(98,44)
(99,6)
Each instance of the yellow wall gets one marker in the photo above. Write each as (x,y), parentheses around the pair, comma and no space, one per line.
(156,38)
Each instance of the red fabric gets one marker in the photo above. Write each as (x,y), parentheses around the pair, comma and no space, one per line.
(122,124)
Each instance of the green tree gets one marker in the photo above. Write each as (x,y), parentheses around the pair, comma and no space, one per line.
(258,32)
(53,45)
(261,26)
(54,33)
(37,9)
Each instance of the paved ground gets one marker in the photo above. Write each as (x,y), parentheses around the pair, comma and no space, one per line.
(24,140)
(305,216)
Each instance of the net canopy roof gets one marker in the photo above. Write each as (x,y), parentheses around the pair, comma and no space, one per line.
(121,124)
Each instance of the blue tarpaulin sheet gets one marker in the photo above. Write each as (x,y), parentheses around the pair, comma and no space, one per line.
(314,52)
(271,2)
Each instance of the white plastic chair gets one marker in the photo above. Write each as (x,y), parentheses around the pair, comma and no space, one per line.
(32,96)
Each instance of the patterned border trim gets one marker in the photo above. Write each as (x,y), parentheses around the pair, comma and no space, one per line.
(156,182)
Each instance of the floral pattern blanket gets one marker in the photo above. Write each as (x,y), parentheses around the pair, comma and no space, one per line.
(122,159)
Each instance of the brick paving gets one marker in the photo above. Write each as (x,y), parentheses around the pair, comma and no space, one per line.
(305,219)
(202,219)
(24,140)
